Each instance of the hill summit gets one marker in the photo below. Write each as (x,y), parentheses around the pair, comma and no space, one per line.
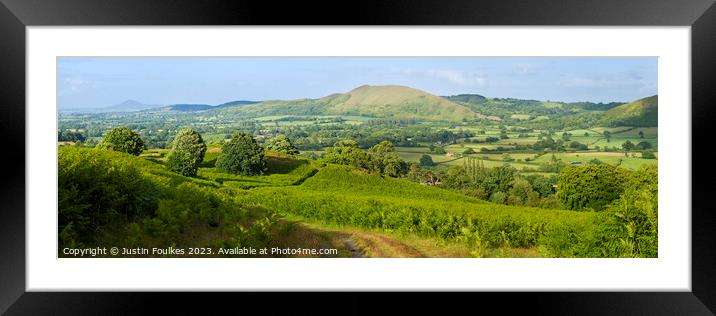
(394,101)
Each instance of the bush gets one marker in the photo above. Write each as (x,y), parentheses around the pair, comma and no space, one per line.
(630,223)
(187,152)
(591,186)
(96,188)
(498,197)
(242,155)
(122,139)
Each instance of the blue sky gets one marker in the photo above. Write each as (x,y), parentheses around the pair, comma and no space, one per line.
(105,81)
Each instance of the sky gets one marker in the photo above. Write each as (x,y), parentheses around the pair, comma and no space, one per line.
(96,82)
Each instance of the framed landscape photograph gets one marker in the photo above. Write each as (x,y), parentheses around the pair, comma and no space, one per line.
(412,153)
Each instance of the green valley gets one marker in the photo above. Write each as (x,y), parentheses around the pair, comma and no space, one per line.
(378,171)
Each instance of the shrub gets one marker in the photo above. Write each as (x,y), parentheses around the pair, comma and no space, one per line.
(591,186)
(630,223)
(122,139)
(498,197)
(242,155)
(187,152)
(96,188)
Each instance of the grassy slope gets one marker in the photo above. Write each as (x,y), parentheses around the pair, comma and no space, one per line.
(642,113)
(399,102)
(374,101)
(338,195)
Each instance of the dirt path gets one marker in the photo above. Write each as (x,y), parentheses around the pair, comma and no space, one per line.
(381,246)
(349,243)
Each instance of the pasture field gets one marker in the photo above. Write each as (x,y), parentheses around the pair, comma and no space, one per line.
(492,163)
(618,141)
(415,156)
(613,158)
(520,116)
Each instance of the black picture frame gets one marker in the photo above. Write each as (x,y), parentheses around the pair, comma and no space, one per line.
(16,15)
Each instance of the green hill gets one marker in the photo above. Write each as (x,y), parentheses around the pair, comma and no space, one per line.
(398,102)
(641,113)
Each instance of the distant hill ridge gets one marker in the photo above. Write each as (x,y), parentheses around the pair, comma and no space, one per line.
(402,102)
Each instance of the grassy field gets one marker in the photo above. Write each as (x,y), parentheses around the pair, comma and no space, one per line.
(618,141)
(613,158)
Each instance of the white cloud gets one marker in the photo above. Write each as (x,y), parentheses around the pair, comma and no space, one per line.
(455,76)
(72,86)
(525,69)
(629,79)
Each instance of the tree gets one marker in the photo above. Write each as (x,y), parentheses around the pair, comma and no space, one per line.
(648,155)
(346,152)
(440,150)
(541,184)
(641,134)
(414,172)
(593,186)
(608,135)
(69,136)
(426,161)
(187,153)
(628,146)
(503,134)
(242,155)
(122,139)
(499,179)
(643,145)
(469,151)
(384,160)
(282,144)
(520,192)
(577,145)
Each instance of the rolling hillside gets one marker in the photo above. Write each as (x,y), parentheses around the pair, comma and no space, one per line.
(640,113)
(200,107)
(398,102)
